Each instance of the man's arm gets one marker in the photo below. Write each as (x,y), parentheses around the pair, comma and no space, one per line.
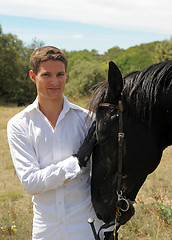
(34,179)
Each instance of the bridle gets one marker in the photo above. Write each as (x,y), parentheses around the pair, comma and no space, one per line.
(122,200)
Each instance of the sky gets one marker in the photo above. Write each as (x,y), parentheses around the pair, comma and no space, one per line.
(88,24)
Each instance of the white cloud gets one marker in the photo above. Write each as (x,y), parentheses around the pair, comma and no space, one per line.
(143,15)
(77,36)
(27,35)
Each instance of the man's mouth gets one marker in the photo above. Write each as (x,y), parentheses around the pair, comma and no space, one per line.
(56,88)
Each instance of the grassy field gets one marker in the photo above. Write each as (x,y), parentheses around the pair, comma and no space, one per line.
(152,220)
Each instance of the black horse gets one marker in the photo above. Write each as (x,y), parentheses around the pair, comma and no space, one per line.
(145,128)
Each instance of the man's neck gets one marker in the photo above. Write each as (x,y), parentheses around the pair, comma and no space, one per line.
(51,109)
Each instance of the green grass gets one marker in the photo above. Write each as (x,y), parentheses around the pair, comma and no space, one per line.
(152,220)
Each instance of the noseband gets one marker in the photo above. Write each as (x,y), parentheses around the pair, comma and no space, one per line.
(123,204)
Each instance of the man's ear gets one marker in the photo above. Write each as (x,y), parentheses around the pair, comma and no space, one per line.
(32,76)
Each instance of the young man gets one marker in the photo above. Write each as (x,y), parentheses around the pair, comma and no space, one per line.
(43,140)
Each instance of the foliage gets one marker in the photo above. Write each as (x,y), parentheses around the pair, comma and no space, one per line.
(163,51)
(85,68)
(15,84)
(10,48)
(113,53)
(83,76)
(136,58)
(165,212)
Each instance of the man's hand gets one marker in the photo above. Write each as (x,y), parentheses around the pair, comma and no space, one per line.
(86,148)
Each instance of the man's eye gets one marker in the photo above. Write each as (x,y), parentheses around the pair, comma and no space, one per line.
(60,74)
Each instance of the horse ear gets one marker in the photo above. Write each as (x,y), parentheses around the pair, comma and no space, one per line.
(115,82)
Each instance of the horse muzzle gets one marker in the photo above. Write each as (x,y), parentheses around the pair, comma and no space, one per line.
(125,216)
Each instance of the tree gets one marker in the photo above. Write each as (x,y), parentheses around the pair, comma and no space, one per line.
(85,68)
(163,51)
(113,53)
(15,83)
(136,58)
(10,64)
(83,76)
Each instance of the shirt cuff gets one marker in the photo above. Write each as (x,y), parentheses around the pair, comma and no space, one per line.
(71,167)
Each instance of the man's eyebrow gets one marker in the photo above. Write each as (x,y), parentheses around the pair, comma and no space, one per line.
(61,72)
(45,71)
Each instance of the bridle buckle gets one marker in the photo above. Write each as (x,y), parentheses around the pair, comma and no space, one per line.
(122,201)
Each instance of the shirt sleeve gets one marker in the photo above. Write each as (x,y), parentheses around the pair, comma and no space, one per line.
(34,179)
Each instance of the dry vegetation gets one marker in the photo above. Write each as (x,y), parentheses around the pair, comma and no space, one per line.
(152,220)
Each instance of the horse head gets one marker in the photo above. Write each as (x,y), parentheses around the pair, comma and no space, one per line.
(142,149)
(105,155)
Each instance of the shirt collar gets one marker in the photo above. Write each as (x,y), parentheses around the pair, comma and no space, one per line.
(35,104)
(32,106)
(66,105)
(66,108)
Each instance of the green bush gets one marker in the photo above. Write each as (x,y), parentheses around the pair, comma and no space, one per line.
(83,76)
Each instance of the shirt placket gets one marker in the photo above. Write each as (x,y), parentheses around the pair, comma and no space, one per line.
(59,190)
(60,206)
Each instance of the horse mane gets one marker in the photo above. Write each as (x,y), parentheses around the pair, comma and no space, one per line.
(148,89)
(142,90)
(98,96)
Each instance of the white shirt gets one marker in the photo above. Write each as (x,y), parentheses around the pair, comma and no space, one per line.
(43,160)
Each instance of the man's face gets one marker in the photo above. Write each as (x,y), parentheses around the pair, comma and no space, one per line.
(50,80)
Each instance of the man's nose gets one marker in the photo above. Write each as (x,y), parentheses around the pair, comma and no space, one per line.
(54,80)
